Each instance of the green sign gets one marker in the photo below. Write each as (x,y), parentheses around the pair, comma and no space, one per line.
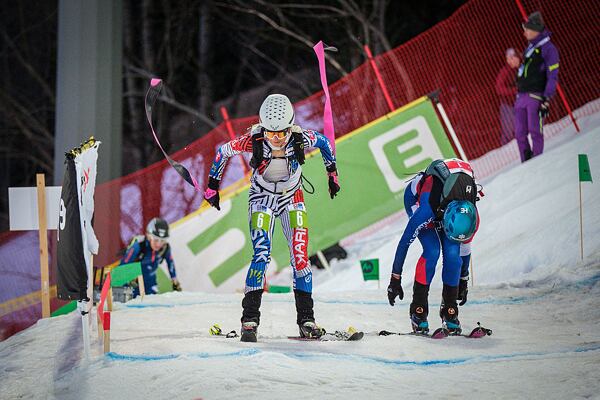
(279,289)
(370,269)
(585,174)
(374,163)
(125,273)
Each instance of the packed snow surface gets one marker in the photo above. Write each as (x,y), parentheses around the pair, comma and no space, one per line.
(531,287)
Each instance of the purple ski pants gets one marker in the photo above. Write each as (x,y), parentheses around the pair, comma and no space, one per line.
(527,121)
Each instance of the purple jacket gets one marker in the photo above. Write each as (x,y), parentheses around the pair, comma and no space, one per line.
(546,65)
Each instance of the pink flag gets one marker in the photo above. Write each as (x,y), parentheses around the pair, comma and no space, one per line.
(327,114)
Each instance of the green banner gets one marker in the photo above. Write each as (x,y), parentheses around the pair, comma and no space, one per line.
(66,309)
(374,162)
(370,269)
(585,174)
(125,273)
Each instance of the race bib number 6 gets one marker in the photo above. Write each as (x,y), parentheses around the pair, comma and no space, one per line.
(261,220)
(298,219)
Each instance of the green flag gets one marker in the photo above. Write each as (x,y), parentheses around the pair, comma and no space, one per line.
(585,175)
(370,269)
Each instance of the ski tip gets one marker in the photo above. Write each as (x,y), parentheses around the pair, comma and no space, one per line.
(155,81)
(439,333)
(356,336)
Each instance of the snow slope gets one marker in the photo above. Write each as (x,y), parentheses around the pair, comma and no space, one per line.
(531,288)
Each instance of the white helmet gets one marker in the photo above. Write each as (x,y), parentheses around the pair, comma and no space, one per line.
(276,113)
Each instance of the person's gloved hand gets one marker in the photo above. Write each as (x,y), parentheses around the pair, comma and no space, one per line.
(334,186)
(544,109)
(463,290)
(211,194)
(395,289)
(176,285)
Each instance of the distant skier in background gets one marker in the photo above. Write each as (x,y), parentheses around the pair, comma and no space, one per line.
(150,250)
(277,146)
(440,203)
(536,83)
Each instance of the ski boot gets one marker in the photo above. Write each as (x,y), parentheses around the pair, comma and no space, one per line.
(449,310)
(419,309)
(310,330)
(305,316)
(250,315)
(249,331)
(420,326)
(450,320)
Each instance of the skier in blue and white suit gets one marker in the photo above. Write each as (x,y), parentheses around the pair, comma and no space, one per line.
(277,147)
(151,250)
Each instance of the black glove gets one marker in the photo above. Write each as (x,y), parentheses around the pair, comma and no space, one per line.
(463,289)
(395,289)
(211,194)
(544,109)
(176,286)
(334,186)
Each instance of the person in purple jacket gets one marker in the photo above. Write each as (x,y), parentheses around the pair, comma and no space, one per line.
(536,83)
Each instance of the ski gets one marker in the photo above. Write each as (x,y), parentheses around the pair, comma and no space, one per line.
(349,335)
(441,333)
(340,336)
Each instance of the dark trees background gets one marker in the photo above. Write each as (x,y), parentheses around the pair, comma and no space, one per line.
(209,53)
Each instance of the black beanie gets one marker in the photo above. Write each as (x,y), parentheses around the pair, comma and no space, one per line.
(535,22)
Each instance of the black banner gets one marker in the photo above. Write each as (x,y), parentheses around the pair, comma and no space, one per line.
(72,275)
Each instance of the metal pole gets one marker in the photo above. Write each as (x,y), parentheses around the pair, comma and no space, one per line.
(388,99)
(581,220)
(461,152)
(323,260)
(232,135)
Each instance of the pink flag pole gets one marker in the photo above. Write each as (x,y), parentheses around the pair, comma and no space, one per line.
(327,113)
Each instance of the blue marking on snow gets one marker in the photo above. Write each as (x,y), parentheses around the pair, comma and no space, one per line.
(443,362)
(587,282)
(353,357)
(508,301)
(166,305)
(162,357)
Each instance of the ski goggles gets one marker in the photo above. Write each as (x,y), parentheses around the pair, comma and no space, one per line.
(277,134)
(158,240)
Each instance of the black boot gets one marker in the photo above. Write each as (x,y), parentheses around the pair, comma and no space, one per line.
(305,315)
(419,308)
(250,315)
(449,310)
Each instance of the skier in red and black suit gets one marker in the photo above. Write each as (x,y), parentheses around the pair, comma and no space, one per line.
(441,205)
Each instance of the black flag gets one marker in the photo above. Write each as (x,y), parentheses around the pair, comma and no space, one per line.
(72,275)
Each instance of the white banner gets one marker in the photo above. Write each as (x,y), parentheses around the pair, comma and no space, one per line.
(85,166)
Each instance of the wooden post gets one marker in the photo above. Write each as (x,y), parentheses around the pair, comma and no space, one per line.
(141,286)
(110,299)
(106,326)
(43,236)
